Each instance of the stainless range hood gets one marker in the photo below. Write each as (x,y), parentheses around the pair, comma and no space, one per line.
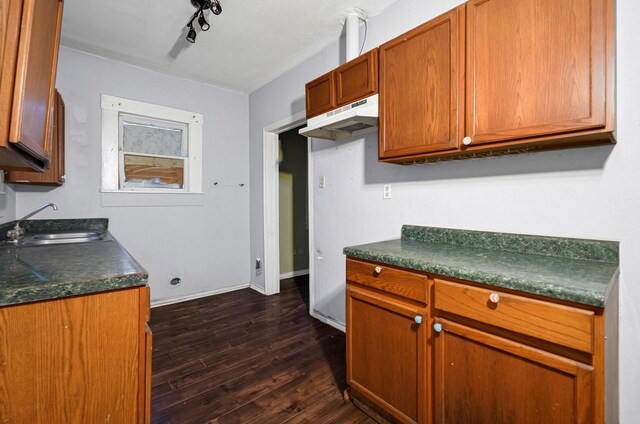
(358,118)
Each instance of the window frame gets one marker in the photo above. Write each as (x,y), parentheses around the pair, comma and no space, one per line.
(112,157)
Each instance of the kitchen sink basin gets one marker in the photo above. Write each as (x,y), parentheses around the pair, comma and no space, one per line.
(68,235)
(64,237)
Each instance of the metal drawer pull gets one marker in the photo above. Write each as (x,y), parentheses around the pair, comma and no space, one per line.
(378,270)
(418,319)
(494,297)
(437,327)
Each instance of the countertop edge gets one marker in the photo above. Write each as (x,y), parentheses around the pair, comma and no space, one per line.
(496,280)
(74,288)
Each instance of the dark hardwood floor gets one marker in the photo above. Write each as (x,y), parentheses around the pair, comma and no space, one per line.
(242,357)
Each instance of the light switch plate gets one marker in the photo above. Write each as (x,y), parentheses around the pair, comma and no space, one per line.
(386,191)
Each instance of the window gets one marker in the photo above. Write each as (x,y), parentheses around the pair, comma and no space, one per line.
(150,148)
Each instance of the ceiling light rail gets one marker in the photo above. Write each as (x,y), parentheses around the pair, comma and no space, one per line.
(202,5)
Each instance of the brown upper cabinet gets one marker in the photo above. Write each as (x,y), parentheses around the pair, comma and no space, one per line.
(538,75)
(357,78)
(420,88)
(29,40)
(351,81)
(320,94)
(55,174)
(537,68)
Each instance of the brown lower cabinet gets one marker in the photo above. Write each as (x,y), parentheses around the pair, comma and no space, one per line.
(424,348)
(84,359)
(387,333)
(483,378)
(388,353)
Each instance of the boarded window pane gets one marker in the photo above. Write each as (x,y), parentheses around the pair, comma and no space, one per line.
(152,139)
(150,172)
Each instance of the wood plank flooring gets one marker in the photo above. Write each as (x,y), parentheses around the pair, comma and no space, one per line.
(242,357)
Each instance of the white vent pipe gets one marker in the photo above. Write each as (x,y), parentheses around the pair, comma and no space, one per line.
(352,32)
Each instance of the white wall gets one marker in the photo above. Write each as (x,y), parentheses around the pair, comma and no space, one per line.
(207,245)
(584,193)
(7,202)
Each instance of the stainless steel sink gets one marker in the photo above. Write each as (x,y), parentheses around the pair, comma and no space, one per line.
(63,237)
(68,235)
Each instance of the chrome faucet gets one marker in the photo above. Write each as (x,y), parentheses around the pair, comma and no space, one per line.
(18,231)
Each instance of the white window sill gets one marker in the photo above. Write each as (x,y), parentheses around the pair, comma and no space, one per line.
(145,199)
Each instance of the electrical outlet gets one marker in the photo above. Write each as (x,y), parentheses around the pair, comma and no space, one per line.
(386,191)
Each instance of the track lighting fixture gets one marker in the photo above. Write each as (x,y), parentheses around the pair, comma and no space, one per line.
(202,5)
(191,36)
(204,25)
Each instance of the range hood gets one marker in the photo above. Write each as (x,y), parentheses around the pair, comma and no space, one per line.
(357,118)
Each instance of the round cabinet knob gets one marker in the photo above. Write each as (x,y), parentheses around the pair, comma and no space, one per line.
(437,327)
(418,319)
(378,270)
(494,297)
(466,141)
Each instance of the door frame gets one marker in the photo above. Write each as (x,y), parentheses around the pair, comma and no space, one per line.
(271,193)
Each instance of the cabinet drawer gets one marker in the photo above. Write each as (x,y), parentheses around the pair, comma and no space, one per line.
(391,280)
(564,325)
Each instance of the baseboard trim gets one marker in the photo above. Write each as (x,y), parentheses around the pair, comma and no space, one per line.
(258,289)
(329,321)
(171,301)
(294,274)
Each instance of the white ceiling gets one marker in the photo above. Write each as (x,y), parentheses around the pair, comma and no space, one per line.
(249,44)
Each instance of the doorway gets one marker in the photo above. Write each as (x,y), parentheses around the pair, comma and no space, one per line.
(271,202)
(293,192)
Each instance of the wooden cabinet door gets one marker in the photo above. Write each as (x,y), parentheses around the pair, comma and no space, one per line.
(481,378)
(386,354)
(357,78)
(72,360)
(10,23)
(535,68)
(420,88)
(35,73)
(320,95)
(55,174)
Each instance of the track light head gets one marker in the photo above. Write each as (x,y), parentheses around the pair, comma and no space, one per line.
(191,36)
(204,25)
(215,7)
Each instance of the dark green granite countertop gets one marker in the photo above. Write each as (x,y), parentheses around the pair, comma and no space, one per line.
(35,273)
(581,271)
